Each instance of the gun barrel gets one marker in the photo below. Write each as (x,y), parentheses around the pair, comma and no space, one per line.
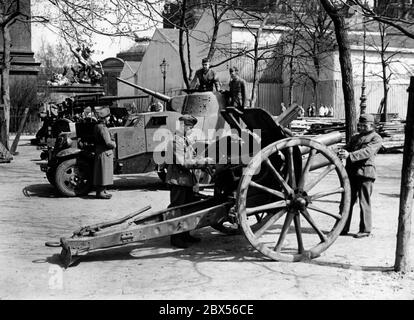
(319,161)
(155,94)
(123,97)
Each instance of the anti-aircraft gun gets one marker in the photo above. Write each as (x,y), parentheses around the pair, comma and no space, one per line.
(60,117)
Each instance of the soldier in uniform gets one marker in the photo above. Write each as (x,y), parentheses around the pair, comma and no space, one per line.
(360,164)
(103,165)
(238,91)
(205,78)
(180,176)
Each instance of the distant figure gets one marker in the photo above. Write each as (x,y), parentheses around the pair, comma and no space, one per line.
(205,78)
(301,112)
(322,111)
(87,115)
(238,90)
(156,107)
(311,110)
(330,111)
(282,105)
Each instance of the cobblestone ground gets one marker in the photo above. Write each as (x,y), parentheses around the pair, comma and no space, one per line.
(220,267)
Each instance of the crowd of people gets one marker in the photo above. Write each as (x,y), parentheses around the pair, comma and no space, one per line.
(322,111)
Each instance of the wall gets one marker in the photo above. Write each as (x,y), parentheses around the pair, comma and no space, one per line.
(200,43)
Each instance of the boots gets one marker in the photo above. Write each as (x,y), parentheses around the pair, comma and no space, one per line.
(189,238)
(102,194)
(178,240)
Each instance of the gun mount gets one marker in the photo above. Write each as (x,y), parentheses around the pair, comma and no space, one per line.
(279,198)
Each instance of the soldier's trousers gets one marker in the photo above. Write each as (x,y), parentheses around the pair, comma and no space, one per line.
(361,188)
(180,195)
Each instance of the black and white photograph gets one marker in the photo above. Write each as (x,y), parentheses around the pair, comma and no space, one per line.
(206,155)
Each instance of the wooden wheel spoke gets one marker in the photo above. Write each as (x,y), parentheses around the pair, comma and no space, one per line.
(306,169)
(326,193)
(334,215)
(270,221)
(291,168)
(278,177)
(265,207)
(322,175)
(298,230)
(276,193)
(283,233)
(308,218)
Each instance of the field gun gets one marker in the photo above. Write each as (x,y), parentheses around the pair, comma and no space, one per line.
(290,199)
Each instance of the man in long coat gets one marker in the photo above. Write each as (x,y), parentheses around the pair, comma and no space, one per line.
(360,164)
(205,79)
(104,157)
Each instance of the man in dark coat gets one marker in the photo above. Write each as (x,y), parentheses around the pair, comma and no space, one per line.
(360,164)
(238,90)
(205,78)
(104,157)
(180,176)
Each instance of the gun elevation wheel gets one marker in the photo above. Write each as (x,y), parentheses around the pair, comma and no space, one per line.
(301,191)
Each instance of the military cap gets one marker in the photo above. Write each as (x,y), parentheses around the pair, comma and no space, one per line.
(188,119)
(102,112)
(366,118)
(205,60)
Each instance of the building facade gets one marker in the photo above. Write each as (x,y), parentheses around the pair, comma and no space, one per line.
(24,69)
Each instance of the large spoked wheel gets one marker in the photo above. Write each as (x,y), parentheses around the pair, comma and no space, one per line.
(74,177)
(303,203)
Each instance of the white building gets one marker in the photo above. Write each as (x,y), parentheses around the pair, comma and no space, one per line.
(274,78)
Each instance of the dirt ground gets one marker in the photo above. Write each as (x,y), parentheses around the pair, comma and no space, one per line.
(220,267)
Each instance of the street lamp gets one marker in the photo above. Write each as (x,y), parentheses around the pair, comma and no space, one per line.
(164,67)
(363,98)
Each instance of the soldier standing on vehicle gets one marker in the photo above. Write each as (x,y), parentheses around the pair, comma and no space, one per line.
(360,164)
(180,176)
(205,78)
(103,164)
(237,91)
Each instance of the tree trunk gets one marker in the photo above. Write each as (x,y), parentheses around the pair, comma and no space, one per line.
(181,44)
(402,256)
(385,87)
(346,66)
(253,96)
(5,88)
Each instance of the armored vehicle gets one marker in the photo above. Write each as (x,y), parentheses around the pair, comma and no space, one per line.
(69,164)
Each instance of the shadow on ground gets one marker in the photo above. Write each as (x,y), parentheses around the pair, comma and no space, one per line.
(349,266)
(124,183)
(391,195)
(214,247)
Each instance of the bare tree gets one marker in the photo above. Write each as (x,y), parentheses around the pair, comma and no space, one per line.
(401,20)
(337,11)
(314,41)
(386,60)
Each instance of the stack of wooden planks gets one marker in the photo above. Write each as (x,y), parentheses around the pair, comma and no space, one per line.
(392,134)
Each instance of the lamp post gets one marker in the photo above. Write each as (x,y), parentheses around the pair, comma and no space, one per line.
(363,98)
(164,67)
